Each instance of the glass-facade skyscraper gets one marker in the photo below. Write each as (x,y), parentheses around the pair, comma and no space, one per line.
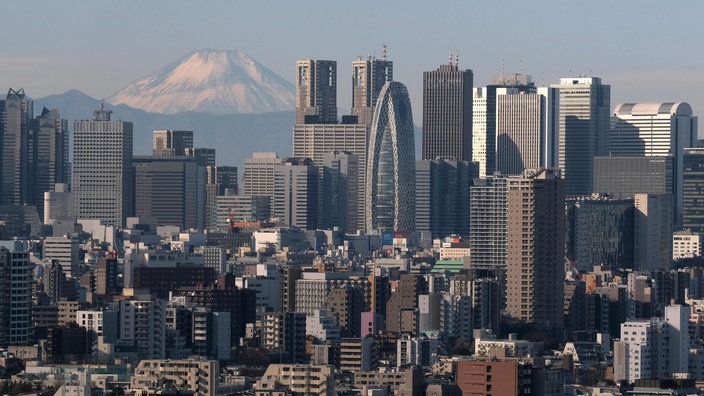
(390,188)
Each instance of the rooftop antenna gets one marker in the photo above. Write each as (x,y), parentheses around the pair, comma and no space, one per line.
(449,58)
(457,59)
(383,52)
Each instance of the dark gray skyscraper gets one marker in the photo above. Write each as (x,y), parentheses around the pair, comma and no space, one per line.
(49,157)
(316,91)
(390,181)
(368,77)
(170,142)
(15,125)
(693,190)
(442,196)
(447,113)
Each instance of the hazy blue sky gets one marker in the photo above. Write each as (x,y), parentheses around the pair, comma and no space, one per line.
(647,50)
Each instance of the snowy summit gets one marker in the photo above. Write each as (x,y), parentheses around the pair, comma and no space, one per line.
(213,81)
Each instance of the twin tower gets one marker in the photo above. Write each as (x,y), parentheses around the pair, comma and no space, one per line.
(375,186)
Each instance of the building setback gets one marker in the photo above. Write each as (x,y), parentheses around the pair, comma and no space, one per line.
(316,91)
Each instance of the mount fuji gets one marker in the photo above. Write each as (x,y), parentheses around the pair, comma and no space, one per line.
(209,81)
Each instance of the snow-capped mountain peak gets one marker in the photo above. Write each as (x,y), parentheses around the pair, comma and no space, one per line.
(213,81)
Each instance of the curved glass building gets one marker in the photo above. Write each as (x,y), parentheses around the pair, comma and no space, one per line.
(390,181)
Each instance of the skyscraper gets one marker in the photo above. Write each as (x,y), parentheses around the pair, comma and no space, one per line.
(584,126)
(170,142)
(102,168)
(49,156)
(447,113)
(316,91)
(693,190)
(655,130)
(259,173)
(484,117)
(442,196)
(653,232)
(340,185)
(368,77)
(487,213)
(296,193)
(390,181)
(526,129)
(315,141)
(167,188)
(535,248)
(15,124)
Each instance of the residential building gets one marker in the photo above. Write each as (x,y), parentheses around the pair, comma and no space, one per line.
(285,334)
(488,223)
(15,295)
(199,376)
(297,379)
(535,248)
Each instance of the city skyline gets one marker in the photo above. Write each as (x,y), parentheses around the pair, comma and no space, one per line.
(43,61)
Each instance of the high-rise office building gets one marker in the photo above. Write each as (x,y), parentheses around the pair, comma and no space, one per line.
(693,190)
(296,193)
(316,91)
(535,248)
(340,197)
(487,214)
(390,173)
(315,141)
(585,104)
(63,249)
(170,142)
(526,129)
(447,113)
(204,156)
(623,177)
(102,182)
(16,113)
(442,196)
(653,232)
(49,158)
(168,188)
(600,230)
(368,77)
(484,117)
(227,179)
(15,295)
(259,174)
(656,130)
